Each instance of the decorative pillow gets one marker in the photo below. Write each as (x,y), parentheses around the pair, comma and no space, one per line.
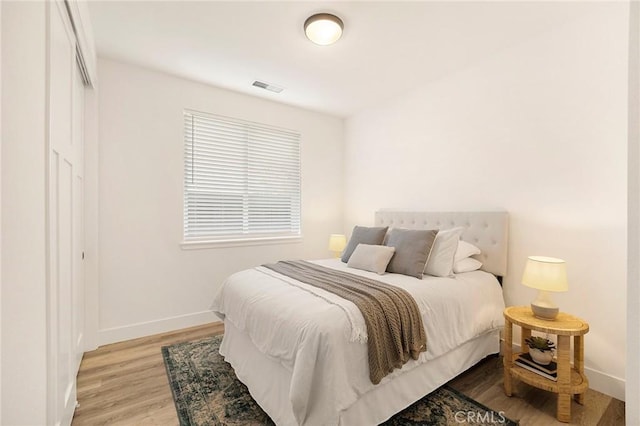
(466,265)
(412,250)
(440,263)
(465,250)
(363,235)
(371,258)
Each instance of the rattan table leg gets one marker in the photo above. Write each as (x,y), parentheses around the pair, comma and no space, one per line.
(507,359)
(578,362)
(525,333)
(564,379)
(564,407)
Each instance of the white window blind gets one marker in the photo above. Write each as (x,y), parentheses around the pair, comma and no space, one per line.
(241,179)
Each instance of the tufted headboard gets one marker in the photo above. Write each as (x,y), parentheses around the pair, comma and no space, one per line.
(489,231)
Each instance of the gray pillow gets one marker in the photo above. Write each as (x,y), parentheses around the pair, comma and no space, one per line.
(363,235)
(412,250)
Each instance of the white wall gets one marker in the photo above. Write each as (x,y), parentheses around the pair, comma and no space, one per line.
(633,284)
(24,303)
(539,130)
(148,284)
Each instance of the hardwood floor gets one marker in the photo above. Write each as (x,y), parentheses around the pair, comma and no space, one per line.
(126,384)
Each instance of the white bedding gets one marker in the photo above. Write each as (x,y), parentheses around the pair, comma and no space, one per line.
(320,338)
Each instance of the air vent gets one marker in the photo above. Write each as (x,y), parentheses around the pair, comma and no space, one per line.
(267,86)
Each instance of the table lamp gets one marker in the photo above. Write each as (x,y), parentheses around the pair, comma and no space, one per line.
(545,274)
(337,243)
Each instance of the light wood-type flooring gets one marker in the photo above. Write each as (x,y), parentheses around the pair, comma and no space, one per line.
(126,384)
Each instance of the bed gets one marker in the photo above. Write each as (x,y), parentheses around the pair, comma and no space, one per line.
(302,357)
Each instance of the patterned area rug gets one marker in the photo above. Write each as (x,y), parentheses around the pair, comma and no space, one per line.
(207,392)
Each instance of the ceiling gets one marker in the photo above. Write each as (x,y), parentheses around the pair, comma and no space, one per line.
(387,47)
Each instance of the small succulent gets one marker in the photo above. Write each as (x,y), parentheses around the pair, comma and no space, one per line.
(541,343)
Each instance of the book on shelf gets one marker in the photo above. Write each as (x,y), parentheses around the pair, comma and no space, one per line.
(521,362)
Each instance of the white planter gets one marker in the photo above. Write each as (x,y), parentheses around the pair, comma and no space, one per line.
(542,358)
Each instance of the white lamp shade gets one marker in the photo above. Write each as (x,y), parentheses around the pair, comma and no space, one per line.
(323,28)
(337,242)
(545,273)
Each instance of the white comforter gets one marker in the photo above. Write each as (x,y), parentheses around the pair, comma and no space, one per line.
(320,338)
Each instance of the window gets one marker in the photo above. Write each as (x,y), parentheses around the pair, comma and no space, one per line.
(241,180)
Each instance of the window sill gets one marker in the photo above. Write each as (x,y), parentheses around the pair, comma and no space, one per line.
(206,244)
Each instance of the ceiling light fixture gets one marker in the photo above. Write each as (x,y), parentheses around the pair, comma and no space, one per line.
(267,86)
(323,28)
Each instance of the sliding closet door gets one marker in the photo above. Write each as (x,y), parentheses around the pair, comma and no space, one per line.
(65,286)
(78,283)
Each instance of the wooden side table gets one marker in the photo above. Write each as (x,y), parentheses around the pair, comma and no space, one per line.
(571,380)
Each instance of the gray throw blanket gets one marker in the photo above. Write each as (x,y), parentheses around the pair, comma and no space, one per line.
(394,325)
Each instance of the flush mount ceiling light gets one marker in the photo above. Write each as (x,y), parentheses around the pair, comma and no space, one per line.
(323,28)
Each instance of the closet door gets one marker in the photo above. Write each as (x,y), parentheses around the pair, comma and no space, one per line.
(65,281)
(78,283)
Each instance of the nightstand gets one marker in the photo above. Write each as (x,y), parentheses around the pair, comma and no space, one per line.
(571,379)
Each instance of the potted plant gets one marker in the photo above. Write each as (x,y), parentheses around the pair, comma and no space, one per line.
(541,349)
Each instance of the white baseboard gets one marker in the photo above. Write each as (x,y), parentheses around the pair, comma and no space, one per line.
(142,329)
(598,380)
(606,383)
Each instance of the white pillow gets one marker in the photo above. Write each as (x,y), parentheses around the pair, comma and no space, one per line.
(440,263)
(371,258)
(466,265)
(465,250)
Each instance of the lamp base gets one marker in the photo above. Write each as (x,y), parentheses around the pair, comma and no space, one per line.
(543,307)
(544,312)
